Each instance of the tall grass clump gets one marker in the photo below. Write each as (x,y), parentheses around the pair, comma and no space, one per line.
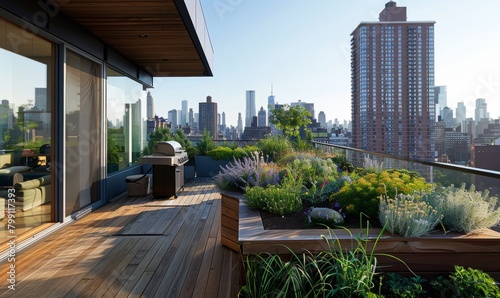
(465,210)
(336,272)
(408,215)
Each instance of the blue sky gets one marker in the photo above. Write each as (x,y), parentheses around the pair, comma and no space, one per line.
(302,48)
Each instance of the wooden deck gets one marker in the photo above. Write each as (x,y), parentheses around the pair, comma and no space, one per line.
(134,247)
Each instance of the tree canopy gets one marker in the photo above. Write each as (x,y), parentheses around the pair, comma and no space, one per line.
(290,119)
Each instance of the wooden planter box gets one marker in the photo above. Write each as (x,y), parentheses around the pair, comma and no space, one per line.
(430,255)
(230,221)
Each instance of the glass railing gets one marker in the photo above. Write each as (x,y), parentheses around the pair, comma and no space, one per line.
(441,174)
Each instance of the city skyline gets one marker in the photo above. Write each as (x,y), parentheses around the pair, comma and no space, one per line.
(303,51)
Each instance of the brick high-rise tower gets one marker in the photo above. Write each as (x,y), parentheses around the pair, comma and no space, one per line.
(392,83)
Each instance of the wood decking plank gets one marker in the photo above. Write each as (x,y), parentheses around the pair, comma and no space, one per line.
(176,252)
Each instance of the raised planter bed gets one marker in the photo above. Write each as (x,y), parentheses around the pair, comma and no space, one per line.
(433,254)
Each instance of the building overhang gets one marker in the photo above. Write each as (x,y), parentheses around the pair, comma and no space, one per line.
(143,39)
(164,37)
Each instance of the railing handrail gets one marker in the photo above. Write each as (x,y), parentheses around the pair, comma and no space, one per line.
(470,170)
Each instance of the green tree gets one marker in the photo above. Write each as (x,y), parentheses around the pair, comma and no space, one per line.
(161,134)
(291,120)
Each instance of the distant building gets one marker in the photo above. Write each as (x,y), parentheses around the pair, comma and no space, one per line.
(255,132)
(250,107)
(150,106)
(322,119)
(172,119)
(440,99)
(239,128)
(261,118)
(447,118)
(184,113)
(208,117)
(481,111)
(458,147)
(392,79)
(308,106)
(271,101)
(191,118)
(460,114)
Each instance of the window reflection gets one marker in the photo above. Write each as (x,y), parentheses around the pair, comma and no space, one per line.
(126,108)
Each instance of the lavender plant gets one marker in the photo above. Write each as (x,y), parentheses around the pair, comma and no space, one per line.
(465,210)
(408,215)
(250,170)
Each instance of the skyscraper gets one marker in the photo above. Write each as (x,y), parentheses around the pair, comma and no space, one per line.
(392,79)
(308,106)
(239,128)
(191,118)
(322,119)
(150,106)
(481,110)
(440,99)
(460,113)
(261,118)
(184,113)
(270,107)
(208,117)
(172,118)
(250,107)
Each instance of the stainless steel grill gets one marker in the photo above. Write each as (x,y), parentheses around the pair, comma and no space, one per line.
(168,161)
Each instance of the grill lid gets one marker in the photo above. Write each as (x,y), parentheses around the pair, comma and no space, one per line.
(169,148)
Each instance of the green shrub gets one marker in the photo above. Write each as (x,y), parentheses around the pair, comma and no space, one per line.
(408,215)
(274,199)
(362,196)
(275,148)
(206,144)
(466,283)
(465,210)
(404,287)
(221,153)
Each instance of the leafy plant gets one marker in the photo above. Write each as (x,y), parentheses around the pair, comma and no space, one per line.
(404,287)
(407,215)
(465,210)
(466,283)
(274,199)
(274,148)
(320,191)
(343,164)
(206,144)
(291,119)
